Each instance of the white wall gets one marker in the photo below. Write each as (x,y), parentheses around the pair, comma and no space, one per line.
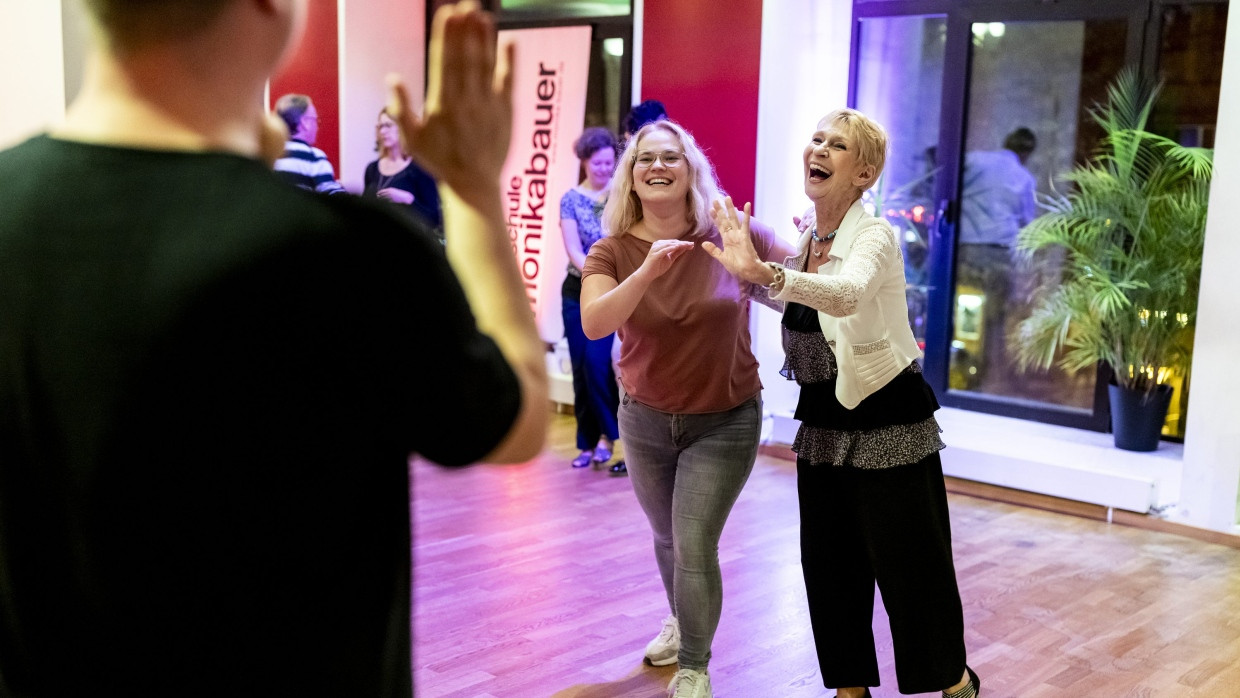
(376,37)
(804,75)
(32,76)
(1212,442)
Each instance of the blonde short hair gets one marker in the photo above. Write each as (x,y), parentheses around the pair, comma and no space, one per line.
(866,135)
(624,209)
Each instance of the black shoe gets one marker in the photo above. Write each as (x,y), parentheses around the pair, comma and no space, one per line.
(975,682)
(619,468)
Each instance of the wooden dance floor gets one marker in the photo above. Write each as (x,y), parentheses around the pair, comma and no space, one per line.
(539,580)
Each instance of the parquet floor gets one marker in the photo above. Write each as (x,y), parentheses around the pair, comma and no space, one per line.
(539,580)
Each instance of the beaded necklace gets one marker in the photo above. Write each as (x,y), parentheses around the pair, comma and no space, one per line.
(814,236)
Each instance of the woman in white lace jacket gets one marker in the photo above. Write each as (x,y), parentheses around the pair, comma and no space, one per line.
(870,483)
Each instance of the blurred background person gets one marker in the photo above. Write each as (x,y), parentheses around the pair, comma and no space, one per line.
(639,115)
(595,393)
(302,164)
(397,178)
(997,200)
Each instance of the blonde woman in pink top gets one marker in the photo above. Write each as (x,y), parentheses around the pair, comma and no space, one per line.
(691,409)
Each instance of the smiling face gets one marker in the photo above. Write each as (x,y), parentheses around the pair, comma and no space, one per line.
(600,167)
(660,182)
(833,168)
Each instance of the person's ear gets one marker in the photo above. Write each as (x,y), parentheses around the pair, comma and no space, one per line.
(865,177)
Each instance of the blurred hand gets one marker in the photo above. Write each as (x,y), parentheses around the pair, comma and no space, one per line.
(393,194)
(463,137)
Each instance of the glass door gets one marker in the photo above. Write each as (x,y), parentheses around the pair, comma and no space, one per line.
(986,103)
(899,83)
(1023,129)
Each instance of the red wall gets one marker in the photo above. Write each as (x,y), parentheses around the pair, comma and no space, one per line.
(314,70)
(700,58)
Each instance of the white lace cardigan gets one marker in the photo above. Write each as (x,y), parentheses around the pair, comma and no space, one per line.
(859,293)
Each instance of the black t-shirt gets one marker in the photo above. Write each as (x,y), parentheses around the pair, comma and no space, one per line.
(414,180)
(210,384)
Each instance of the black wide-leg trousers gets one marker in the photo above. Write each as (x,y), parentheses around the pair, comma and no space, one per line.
(888,526)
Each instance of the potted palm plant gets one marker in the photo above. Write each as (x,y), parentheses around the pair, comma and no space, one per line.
(1129,235)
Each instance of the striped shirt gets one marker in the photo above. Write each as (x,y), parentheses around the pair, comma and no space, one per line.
(308,167)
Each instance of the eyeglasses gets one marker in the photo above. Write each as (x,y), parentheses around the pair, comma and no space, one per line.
(669,158)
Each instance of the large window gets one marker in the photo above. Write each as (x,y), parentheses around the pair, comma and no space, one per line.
(987,105)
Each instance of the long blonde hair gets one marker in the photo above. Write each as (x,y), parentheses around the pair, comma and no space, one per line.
(624,209)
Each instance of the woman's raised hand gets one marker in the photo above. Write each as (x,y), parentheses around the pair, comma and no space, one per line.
(738,255)
(463,138)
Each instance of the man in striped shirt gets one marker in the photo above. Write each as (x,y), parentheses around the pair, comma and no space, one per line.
(303,164)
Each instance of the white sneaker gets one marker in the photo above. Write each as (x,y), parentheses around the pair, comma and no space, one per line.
(662,650)
(688,683)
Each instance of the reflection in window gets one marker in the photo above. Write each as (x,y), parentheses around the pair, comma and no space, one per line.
(899,84)
(1024,128)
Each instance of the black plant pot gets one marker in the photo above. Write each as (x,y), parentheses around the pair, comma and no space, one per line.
(1137,418)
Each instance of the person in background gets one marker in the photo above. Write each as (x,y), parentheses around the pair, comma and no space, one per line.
(997,201)
(649,111)
(595,393)
(302,164)
(691,407)
(397,178)
(870,483)
(211,382)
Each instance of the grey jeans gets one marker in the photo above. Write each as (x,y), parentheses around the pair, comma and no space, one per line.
(687,471)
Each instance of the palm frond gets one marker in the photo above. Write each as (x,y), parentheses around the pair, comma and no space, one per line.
(1132,227)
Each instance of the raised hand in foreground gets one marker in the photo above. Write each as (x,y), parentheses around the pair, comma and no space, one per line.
(463,141)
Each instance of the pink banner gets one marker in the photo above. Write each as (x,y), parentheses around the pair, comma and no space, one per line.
(549,103)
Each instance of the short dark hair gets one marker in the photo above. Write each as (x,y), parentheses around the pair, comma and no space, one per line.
(291,108)
(641,114)
(129,24)
(592,140)
(1021,141)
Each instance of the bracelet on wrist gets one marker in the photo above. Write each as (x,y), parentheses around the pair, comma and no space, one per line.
(777,283)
